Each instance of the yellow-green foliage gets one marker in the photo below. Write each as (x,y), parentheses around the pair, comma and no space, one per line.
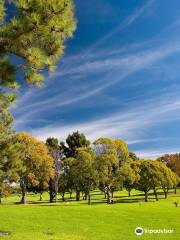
(37,34)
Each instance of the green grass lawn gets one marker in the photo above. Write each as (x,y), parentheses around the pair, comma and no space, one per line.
(99,221)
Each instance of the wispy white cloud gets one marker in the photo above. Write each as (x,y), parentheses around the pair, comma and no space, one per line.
(128,125)
(154,153)
(147,140)
(123,25)
(113,70)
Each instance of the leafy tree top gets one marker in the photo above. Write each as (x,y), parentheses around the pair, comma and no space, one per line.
(102,145)
(36,159)
(74,141)
(172,161)
(36,33)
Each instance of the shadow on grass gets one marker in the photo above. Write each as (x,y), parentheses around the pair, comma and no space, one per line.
(96,199)
(58,205)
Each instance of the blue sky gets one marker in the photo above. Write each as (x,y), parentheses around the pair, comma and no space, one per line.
(119,78)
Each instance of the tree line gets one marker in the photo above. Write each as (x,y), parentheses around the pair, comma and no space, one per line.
(79,166)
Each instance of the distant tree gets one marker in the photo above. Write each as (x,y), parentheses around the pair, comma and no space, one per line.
(149,173)
(168,179)
(85,176)
(63,185)
(57,155)
(37,163)
(73,142)
(68,177)
(45,173)
(156,177)
(122,150)
(133,156)
(172,161)
(108,165)
(130,174)
(118,145)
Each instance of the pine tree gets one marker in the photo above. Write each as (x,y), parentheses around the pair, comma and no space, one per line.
(35,34)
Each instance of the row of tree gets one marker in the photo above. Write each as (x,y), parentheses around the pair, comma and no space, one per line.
(106,164)
(78,166)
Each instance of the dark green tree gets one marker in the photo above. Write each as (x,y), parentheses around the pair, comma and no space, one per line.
(73,142)
(133,156)
(84,173)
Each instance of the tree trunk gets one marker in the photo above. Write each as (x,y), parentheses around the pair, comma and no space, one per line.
(77,195)
(63,199)
(165,194)
(108,197)
(129,193)
(40,197)
(89,199)
(51,198)
(145,196)
(105,195)
(155,194)
(70,195)
(56,189)
(23,190)
(0,199)
(51,193)
(175,190)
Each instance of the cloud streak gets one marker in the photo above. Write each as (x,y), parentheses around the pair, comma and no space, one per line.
(113,70)
(154,153)
(127,125)
(128,21)
(93,76)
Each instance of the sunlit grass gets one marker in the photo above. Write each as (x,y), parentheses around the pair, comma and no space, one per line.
(78,221)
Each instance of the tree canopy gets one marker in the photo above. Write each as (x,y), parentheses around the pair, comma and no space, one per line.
(73,142)
(36,33)
(37,162)
(172,161)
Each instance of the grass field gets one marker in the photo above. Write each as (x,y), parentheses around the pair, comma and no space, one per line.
(99,221)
